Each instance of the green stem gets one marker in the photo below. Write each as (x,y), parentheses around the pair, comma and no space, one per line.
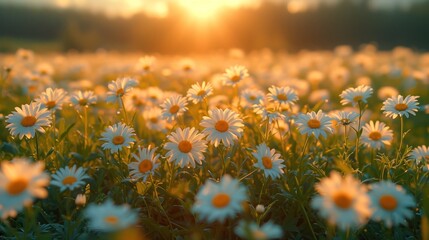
(358,135)
(401,138)
(123,109)
(85,125)
(37,146)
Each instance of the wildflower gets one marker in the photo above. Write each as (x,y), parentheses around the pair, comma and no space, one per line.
(222,126)
(28,119)
(235,74)
(117,136)
(314,123)
(173,107)
(145,64)
(147,162)
(400,106)
(80,200)
(282,95)
(356,95)
(251,230)
(136,100)
(420,154)
(260,208)
(387,92)
(83,99)
(69,178)
(53,99)
(198,93)
(108,217)
(342,201)
(345,118)
(266,112)
(390,203)
(269,161)
(185,147)
(119,88)
(218,201)
(376,135)
(252,97)
(20,182)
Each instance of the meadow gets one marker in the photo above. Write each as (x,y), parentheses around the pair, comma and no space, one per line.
(229,145)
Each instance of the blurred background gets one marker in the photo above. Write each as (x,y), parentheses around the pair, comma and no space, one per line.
(202,26)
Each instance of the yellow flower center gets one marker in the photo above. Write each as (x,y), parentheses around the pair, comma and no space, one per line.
(313,123)
(259,234)
(112,220)
(28,121)
(388,202)
(146,68)
(145,166)
(221,126)
(83,102)
(357,98)
(118,140)
(69,180)
(282,97)
(343,200)
(153,120)
(51,104)
(187,68)
(201,93)
(401,107)
(235,78)
(221,200)
(120,92)
(185,146)
(17,186)
(375,135)
(266,161)
(174,109)
(252,98)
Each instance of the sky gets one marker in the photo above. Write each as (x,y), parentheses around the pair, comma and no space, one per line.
(159,8)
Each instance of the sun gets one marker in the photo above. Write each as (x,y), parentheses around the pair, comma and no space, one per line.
(202,9)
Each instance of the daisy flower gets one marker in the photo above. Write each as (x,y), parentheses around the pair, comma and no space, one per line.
(20,182)
(153,119)
(145,64)
(119,88)
(376,135)
(222,126)
(218,201)
(69,178)
(53,99)
(251,230)
(314,123)
(342,201)
(174,107)
(147,162)
(198,93)
(356,95)
(83,99)
(282,95)
(185,147)
(252,97)
(345,118)
(28,119)
(266,112)
(117,136)
(390,203)
(235,74)
(400,106)
(108,217)
(269,161)
(136,100)
(420,154)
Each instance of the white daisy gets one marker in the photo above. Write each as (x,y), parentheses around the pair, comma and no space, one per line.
(222,126)
(117,136)
(266,112)
(136,100)
(185,147)
(174,107)
(108,217)
(420,154)
(251,97)
(119,88)
(314,123)
(28,119)
(83,99)
(390,203)
(345,118)
(235,74)
(269,161)
(20,182)
(147,162)
(145,64)
(198,93)
(53,99)
(153,119)
(355,95)
(282,95)
(342,201)
(69,178)
(251,230)
(376,135)
(218,201)
(400,106)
